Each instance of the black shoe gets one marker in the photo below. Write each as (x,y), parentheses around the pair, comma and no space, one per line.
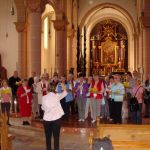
(8,124)
(27,123)
(24,123)
(146,116)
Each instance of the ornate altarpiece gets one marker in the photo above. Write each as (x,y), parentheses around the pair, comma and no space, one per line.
(108,48)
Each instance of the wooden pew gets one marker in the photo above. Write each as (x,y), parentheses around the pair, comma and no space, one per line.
(124,136)
(5,138)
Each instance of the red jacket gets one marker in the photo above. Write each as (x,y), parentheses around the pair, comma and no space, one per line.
(99,88)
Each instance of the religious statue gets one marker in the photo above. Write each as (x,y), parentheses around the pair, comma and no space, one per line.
(120,65)
(3,71)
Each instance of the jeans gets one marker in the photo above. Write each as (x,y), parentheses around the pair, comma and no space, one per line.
(64,107)
(52,127)
(128,100)
(5,107)
(68,108)
(72,107)
(147,110)
(137,115)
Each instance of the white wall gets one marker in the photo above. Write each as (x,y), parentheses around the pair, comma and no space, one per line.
(86,5)
(8,45)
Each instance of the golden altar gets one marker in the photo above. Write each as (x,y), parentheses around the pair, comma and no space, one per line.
(107,50)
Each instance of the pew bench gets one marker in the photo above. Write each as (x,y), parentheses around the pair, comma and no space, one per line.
(124,137)
(5,138)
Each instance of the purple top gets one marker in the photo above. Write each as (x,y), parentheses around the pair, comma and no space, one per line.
(81,89)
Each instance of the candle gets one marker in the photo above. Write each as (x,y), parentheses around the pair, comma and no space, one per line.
(15,103)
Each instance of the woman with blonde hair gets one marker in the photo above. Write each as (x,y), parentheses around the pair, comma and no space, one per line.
(6,96)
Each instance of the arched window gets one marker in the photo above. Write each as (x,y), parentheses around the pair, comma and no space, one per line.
(46,32)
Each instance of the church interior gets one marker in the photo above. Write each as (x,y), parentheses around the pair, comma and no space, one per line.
(99,37)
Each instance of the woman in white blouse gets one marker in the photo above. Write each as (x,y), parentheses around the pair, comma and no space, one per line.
(117,95)
(52,114)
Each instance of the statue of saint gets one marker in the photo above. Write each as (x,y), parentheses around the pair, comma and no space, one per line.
(119,64)
(3,71)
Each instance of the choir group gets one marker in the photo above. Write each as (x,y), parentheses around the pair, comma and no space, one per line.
(98,97)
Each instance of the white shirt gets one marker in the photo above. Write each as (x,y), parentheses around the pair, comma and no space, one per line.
(52,107)
(38,90)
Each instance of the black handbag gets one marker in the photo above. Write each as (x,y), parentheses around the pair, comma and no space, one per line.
(104,143)
(134,105)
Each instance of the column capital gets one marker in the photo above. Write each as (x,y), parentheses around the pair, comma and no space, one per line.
(20,26)
(60,24)
(33,6)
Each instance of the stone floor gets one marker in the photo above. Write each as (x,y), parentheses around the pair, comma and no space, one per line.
(74,135)
(32,138)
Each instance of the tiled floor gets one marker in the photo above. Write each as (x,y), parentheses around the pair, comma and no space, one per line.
(32,138)
(74,135)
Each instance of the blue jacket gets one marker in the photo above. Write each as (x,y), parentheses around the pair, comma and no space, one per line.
(69,96)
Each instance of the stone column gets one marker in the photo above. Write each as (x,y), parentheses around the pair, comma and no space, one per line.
(145,17)
(146,51)
(21,64)
(34,36)
(61,46)
(70,58)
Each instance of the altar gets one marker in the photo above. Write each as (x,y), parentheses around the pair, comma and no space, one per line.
(108,48)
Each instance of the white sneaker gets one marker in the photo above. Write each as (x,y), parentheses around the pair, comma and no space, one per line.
(80,120)
(101,117)
(93,121)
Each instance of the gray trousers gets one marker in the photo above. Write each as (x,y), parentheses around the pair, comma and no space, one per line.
(81,102)
(96,107)
(35,106)
(105,109)
(88,105)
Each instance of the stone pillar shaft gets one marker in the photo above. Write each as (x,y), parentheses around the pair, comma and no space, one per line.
(70,56)
(145,18)
(34,43)
(21,64)
(146,51)
(61,46)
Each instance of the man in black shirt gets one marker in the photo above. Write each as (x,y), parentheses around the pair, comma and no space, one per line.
(14,83)
(31,79)
(147,97)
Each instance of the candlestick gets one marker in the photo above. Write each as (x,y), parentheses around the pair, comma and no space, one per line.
(15,103)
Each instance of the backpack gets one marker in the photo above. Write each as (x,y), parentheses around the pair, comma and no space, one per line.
(102,144)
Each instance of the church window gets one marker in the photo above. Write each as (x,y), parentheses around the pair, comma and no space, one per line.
(46,30)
